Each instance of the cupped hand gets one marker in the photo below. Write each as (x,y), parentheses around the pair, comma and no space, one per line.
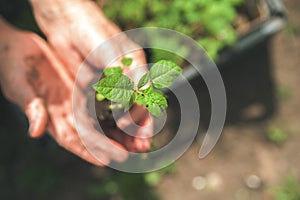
(74,29)
(31,76)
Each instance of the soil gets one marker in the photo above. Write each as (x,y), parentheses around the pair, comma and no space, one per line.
(38,169)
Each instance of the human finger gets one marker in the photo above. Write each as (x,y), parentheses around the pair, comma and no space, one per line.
(67,53)
(135,115)
(67,138)
(142,140)
(30,102)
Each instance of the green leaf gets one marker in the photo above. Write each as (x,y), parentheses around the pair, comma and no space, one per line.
(128,105)
(154,100)
(155,110)
(144,80)
(116,87)
(99,97)
(153,178)
(126,61)
(163,73)
(112,70)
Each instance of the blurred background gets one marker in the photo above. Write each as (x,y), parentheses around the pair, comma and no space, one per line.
(256,45)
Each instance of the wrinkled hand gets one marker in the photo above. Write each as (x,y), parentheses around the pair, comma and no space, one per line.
(74,29)
(31,76)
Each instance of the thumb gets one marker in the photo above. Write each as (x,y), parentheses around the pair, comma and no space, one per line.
(37,116)
(32,105)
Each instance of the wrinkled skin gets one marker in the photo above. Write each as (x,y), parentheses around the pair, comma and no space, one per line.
(76,28)
(41,81)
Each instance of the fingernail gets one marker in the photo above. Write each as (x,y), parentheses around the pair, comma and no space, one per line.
(36,117)
(31,118)
(143,145)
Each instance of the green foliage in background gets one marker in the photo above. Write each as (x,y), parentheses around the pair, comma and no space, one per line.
(277,135)
(121,185)
(290,190)
(283,92)
(127,186)
(207,21)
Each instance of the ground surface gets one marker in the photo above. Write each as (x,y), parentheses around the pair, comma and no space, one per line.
(263,92)
(244,149)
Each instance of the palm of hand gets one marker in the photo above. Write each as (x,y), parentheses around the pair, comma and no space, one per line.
(41,74)
(74,36)
(34,68)
(35,79)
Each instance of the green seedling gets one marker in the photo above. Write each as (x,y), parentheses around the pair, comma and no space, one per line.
(119,88)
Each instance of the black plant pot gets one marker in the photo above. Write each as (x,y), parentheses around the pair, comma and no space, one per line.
(258,33)
(246,70)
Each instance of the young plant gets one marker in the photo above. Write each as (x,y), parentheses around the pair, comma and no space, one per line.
(118,88)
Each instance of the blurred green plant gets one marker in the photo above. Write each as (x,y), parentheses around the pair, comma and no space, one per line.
(290,190)
(154,178)
(210,22)
(283,92)
(127,186)
(291,30)
(277,135)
